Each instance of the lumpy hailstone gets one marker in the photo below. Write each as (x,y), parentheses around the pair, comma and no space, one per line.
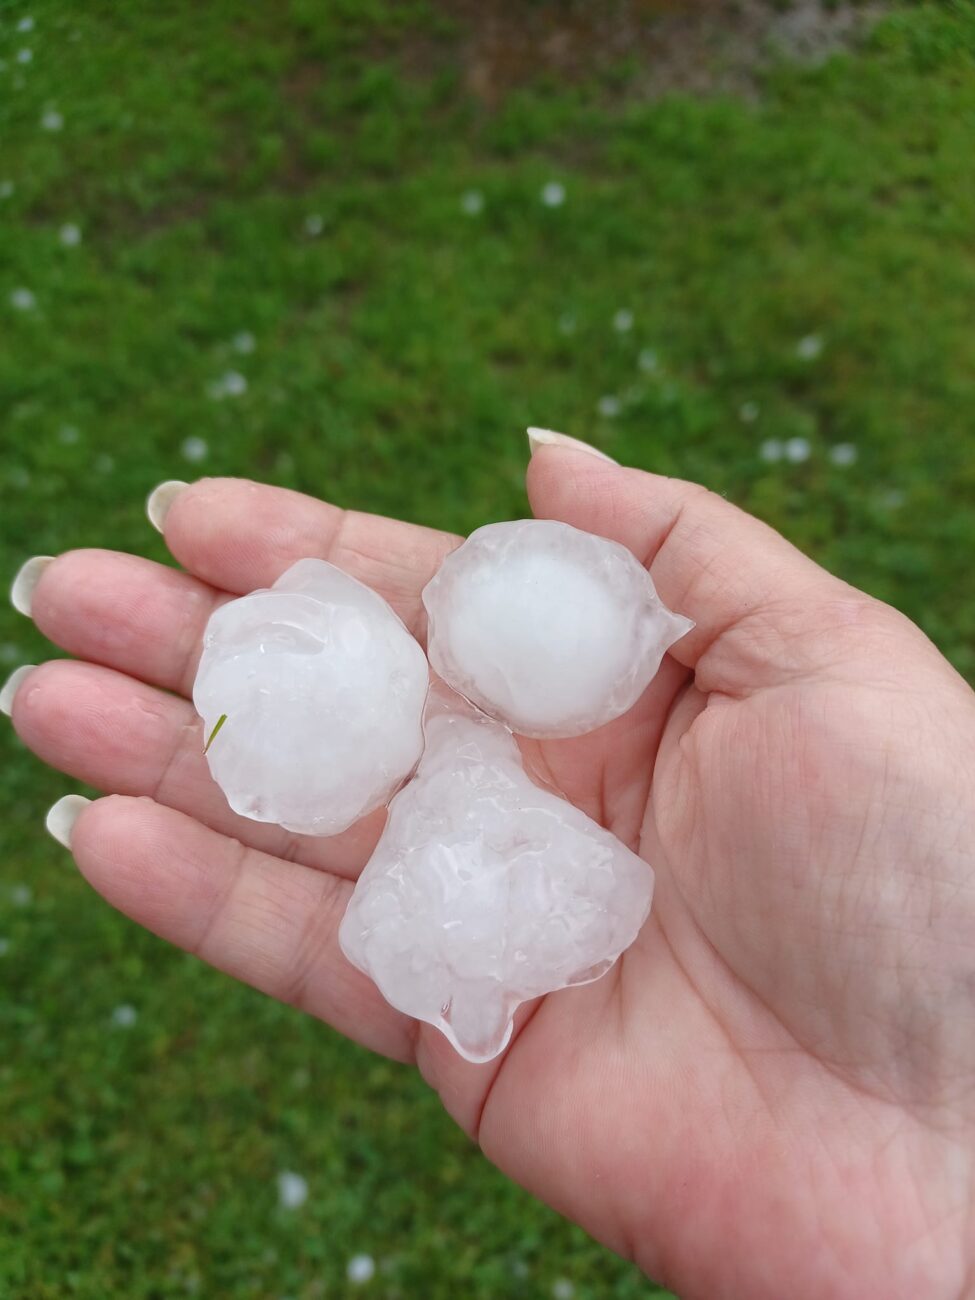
(486,890)
(323,688)
(552,630)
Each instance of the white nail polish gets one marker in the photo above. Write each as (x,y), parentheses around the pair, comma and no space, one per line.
(160,499)
(549,438)
(11,687)
(61,817)
(28,576)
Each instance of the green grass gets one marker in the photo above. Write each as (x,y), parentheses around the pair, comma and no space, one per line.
(398,356)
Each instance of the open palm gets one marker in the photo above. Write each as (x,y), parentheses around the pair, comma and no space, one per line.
(772,1092)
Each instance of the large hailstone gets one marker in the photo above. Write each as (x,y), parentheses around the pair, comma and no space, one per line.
(323,689)
(486,890)
(550,629)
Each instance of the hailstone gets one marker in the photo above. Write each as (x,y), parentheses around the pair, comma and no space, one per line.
(322,691)
(486,890)
(550,629)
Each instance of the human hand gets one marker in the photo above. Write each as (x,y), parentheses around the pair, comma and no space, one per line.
(771,1092)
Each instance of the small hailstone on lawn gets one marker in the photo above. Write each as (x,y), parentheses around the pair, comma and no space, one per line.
(23,300)
(843,454)
(321,689)
(52,120)
(648,361)
(562,1289)
(24,56)
(124,1016)
(749,412)
(244,343)
(194,449)
(486,890)
(796,450)
(26,24)
(231,384)
(70,234)
(623,321)
(314,224)
(4,947)
(553,194)
(292,1190)
(472,202)
(771,449)
(104,463)
(21,895)
(6,189)
(609,406)
(360,1268)
(810,347)
(68,434)
(551,629)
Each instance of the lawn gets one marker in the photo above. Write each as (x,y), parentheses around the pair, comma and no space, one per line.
(292,241)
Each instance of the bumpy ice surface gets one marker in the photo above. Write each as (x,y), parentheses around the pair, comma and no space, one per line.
(486,890)
(552,630)
(323,688)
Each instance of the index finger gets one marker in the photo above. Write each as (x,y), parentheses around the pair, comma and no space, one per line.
(238,535)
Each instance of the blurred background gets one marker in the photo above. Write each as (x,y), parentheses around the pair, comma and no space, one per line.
(355,247)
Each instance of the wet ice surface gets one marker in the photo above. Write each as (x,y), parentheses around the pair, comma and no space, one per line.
(486,890)
(552,630)
(323,688)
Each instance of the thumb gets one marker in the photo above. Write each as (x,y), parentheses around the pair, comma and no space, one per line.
(764,612)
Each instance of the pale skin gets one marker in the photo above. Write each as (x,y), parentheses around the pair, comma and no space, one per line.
(773,1092)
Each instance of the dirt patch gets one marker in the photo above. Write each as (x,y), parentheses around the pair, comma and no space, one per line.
(704,46)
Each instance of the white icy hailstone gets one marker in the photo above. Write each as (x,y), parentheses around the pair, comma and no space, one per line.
(26,24)
(6,189)
(52,120)
(194,449)
(648,361)
(486,890)
(623,321)
(553,194)
(21,895)
(292,1190)
(810,347)
(244,343)
(124,1016)
(68,434)
(4,947)
(231,384)
(314,224)
(552,630)
(562,1289)
(323,689)
(796,450)
(843,454)
(771,449)
(23,300)
(609,406)
(70,234)
(749,412)
(472,202)
(24,56)
(360,1268)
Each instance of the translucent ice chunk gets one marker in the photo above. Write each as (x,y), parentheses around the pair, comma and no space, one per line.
(552,630)
(323,691)
(486,890)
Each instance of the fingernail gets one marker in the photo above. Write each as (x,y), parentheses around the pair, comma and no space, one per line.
(160,499)
(61,817)
(22,590)
(549,438)
(11,686)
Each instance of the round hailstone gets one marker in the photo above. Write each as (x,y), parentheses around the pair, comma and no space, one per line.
(360,1268)
(70,234)
(552,630)
(553,194)
(472,203)
(23,300)
(322,690)
(623,321)
(52,120)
